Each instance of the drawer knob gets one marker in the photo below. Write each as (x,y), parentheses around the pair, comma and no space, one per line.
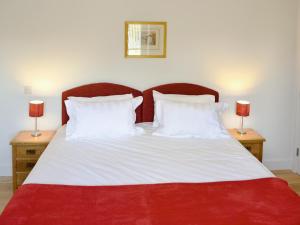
(30,165)
(30,152)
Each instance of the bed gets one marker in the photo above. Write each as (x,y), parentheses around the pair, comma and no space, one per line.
(149,180)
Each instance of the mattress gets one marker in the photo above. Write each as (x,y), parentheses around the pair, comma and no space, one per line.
(144,159)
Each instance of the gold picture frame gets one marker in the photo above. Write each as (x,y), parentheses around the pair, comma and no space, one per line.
(145,39)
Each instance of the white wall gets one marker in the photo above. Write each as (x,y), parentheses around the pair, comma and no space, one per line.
(242,48)
(296,166)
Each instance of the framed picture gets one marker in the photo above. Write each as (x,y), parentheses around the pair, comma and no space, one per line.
(145,39)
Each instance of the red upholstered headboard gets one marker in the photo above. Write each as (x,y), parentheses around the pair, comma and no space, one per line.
(100,89)
(176,88)
(145,112)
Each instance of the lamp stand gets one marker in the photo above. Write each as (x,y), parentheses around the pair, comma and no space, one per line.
(242,131)
(35,133)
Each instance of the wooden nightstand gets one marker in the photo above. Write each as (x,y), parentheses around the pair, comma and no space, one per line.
(251,141)
(26,151)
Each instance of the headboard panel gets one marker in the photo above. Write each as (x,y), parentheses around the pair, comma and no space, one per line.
(175,88)
(99,89)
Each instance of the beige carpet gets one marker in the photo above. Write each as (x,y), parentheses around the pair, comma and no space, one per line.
(5,191)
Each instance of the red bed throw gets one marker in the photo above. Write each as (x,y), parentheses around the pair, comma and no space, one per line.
(266,201)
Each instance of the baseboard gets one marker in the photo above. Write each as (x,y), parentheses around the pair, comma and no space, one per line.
(278,164)
(5,170)
(5,179)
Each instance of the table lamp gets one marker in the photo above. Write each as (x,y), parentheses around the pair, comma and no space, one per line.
(36,109)
(243,110)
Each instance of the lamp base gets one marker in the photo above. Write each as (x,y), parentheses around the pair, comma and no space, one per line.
(36,133)
(241,131)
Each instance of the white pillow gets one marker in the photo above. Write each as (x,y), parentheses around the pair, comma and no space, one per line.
(184,119)
(103,119)
(157,96)
(73,117)
(101,98)
(137,101)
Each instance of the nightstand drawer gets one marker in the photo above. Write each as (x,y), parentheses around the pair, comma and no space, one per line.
(20,177)
(255,149)
(33,151)
(251,141)
(25,165)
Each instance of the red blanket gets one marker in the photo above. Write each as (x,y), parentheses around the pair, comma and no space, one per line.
(264,201)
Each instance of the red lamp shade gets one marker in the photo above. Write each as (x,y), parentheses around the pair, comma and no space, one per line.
(242,108)
(36,108)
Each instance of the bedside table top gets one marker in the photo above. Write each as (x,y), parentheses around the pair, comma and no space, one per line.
(25,138)
(250,136)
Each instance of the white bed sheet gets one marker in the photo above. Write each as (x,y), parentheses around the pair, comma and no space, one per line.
(144,159)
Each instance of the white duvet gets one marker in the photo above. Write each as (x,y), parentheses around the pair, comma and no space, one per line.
(144,159)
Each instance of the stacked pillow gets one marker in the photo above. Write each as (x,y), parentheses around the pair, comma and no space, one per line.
(188,116)
(174,116)
(103,116)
